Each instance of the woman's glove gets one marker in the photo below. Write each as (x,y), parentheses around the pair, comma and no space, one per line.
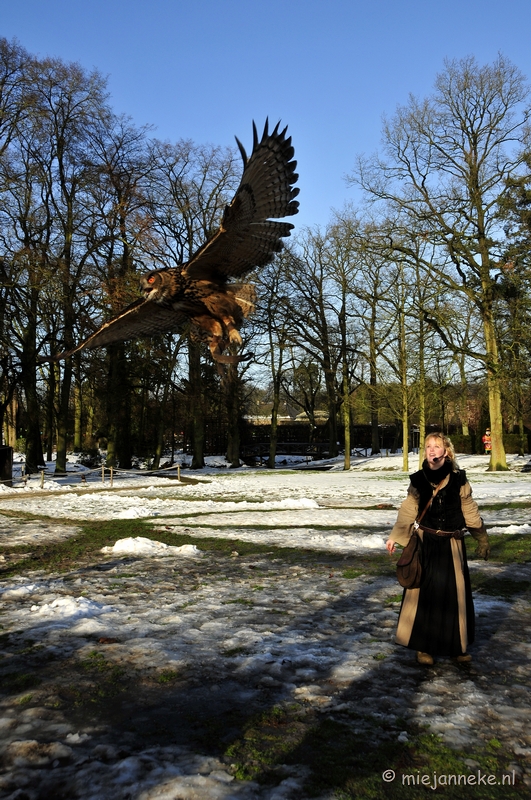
(480,535)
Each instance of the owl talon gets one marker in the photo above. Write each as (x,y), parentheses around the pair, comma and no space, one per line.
(234,337)
(217,346)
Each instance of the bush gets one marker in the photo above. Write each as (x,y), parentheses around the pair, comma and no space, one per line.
(462,444)
(20,445)
(511,442)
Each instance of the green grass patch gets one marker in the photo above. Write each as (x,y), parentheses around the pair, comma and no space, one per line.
(508,548)
(24,700)
(234,651)
(168,676)
(267,741)
(350,574)
(396,598)
(504,505)
(15,682)
(352,765)
(86,546)
(105,680)
(498,586)
(242,601)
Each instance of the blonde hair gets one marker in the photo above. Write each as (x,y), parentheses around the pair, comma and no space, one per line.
(447,444)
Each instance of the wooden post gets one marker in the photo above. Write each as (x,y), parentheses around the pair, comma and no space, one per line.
(178,472)
(42,479)
(112,472)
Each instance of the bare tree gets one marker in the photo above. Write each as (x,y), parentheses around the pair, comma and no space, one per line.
(189,188)
(313,316)
(448,159)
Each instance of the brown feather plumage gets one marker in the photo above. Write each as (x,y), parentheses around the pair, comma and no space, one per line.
(199,292)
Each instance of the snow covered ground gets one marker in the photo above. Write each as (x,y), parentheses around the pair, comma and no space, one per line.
(177,641)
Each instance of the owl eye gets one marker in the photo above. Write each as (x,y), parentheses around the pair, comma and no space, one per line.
(151,279)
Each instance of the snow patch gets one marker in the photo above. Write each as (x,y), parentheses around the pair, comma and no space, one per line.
(510,529)
(70,607)
(139,545)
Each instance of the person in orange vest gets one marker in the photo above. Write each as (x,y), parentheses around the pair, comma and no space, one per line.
(487,443)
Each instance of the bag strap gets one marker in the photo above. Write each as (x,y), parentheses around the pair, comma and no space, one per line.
(417,522)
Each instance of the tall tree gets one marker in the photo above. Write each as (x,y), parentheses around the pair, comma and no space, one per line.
(448,160)
(189,188)
(120,226)
(313,316)
(271,320)
(515,298)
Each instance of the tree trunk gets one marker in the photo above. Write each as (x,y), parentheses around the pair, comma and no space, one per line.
(498,459)
(332,410)
(159,445)
(197,411)
(521,435)
(464,398)
(231,386)
(62,418)
(404,390)
(273,436)
(276,373)
(34,452)
(373,395)
(11,421)
(89,441)
(346,419)
(28,368)
(422,393)
(50,409)
(118,409)
(342,319)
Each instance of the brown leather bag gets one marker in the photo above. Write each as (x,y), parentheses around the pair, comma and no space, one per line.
(409,565)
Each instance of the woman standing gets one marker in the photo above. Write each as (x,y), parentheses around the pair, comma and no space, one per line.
(438,618)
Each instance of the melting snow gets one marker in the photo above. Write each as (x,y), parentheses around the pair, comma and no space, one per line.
(247,632)
(141,546)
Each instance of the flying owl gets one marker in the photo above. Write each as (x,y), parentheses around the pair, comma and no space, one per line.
(199,293)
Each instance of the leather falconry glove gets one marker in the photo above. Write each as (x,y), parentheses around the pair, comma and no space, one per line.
(480,535)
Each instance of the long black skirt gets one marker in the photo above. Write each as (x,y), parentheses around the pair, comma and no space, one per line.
(438,618)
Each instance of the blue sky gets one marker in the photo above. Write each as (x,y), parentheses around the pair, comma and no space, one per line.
(204,69)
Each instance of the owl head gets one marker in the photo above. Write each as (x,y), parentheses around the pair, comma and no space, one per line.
(155,284)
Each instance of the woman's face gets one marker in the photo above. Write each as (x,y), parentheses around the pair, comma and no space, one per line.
(435,453)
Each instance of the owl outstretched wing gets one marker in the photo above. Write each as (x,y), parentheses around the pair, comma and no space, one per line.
(250,232)
(141,318)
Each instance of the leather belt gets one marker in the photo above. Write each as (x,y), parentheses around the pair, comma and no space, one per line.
(458,534)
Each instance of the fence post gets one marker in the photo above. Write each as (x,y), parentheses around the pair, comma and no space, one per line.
(112,471)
